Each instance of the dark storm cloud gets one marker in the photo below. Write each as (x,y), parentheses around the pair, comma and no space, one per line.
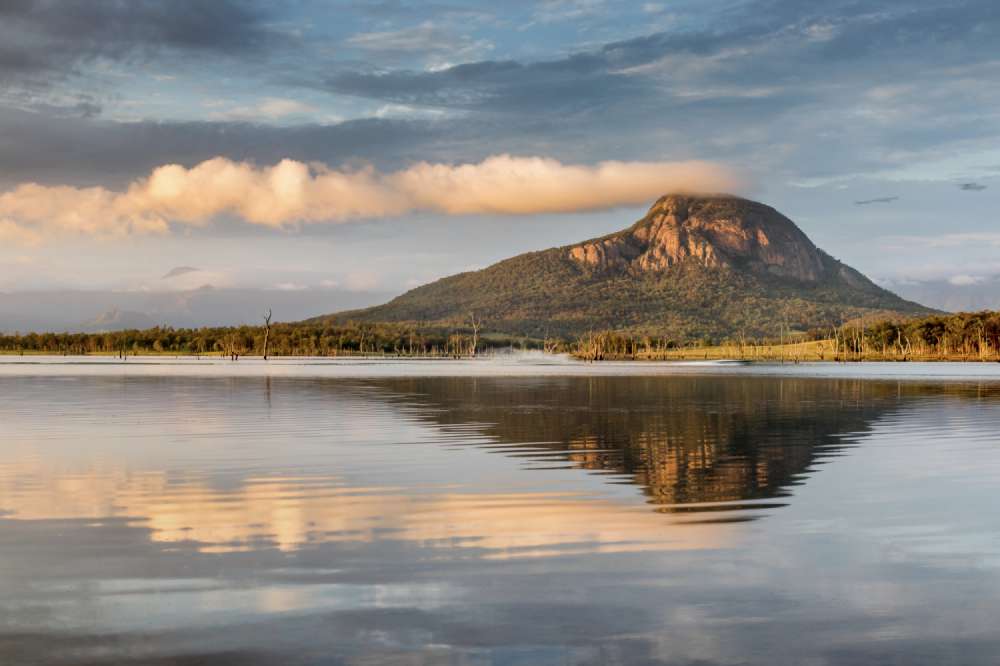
(49,36)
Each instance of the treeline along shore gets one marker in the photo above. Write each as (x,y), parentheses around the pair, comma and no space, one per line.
(956,337)
(280,339)
(966,336)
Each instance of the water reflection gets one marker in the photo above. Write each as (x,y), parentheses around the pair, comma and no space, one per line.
(467,520)
(688,442)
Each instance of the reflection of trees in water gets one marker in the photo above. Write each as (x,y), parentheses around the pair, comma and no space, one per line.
(683,439)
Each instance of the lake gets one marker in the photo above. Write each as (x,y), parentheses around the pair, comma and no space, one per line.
(528,510)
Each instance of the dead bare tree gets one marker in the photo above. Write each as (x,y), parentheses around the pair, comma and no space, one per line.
(231,344)
(267,330)
(476,323)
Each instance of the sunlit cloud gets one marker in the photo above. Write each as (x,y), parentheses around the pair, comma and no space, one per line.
(15,234)
(290,193)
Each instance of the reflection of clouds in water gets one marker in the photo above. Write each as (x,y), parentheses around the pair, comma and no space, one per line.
(218,469)
(424,529)
(213,469)
(289,513)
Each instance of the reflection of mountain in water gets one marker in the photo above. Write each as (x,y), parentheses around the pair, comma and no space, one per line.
(685,440)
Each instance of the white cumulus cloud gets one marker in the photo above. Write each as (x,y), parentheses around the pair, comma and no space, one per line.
(290,193)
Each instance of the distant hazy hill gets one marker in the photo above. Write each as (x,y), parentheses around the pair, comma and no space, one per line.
(960,294)
(692,267)
(118,320)
(82,310)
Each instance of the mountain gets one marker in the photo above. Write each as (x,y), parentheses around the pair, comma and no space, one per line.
(692,267)
(118,320)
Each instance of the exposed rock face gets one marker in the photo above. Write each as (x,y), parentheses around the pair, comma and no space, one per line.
(715,231)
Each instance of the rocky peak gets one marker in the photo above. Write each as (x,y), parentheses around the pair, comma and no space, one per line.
(716,231)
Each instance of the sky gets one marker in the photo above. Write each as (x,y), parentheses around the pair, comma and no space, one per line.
(370,147)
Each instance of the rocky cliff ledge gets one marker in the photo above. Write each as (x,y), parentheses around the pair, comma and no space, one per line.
(716,231)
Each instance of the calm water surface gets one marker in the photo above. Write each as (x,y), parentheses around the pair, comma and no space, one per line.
(746,516)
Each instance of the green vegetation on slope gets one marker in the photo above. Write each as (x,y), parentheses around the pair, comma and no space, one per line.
(694,267)
(545,294)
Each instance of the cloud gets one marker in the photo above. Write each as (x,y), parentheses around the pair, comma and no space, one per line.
(737,89)
(964,280)
(362,281)
(178,271)
(268,108)
(734,91)
(959,239)
(45,35)
(292,192)
(111,153)
(580,82)
(14,234)
(426,40)
(971,187)
(559,11)
(290,286)
(51,50)
(877,200)
(762,44)
(185,278)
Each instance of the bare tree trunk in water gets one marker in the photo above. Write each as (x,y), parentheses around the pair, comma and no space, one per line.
(267,330)
(477,323)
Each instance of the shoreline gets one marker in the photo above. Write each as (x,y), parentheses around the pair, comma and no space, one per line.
(511,367)
(680,358)
(715,354)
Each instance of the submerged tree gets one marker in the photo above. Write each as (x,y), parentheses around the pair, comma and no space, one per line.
(267,331)
(476,324)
